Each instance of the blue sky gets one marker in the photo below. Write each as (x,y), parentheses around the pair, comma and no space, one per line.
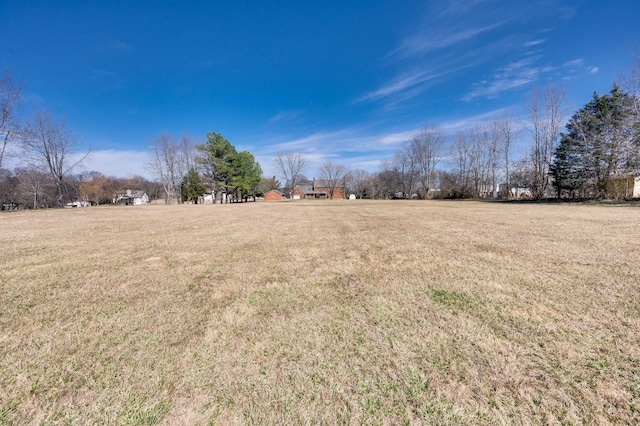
(345,81)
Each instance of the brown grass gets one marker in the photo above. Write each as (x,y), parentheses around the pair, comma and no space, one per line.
(321,312)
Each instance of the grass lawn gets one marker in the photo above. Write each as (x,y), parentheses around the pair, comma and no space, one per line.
(331,312)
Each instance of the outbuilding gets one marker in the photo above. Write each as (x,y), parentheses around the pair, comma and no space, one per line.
(274,195)
(624,186)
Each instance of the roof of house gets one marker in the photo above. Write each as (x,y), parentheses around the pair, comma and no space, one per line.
(276,191)
(131,194)
(308,189)
(623,176)
(320,183)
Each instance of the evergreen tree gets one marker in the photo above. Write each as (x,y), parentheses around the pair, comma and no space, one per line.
(236,173)
(601,141)
(192,187)
(566,169)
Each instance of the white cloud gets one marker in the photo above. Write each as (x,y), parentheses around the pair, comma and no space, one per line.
(450,127)
(399,84)
(119,163)
(440,39)
(533,43)
(457,7)
(573,63)
(409,85)
(514,75)
(396,138)
(284,116)
(593,70)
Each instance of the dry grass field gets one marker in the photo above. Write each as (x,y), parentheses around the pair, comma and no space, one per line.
(338,312)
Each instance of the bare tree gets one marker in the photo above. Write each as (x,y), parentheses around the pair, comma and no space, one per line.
(333,175)
(546,117)
(35,186)
(480,159)
(384,181)
(631,82)
(426,148)
(290,166)
(188,154)
(49,144)
(496,144)
(360,180)
(508,132)
(165,164)
(461,152)
(476,154)
(8,189)
(10,100)
(404,167)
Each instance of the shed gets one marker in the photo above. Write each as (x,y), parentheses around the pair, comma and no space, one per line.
(623,186)
(274,195)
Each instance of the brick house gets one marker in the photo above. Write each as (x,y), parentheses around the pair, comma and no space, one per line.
(319,189)
(274,195)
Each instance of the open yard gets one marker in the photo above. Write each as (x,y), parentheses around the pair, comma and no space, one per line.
(334,312)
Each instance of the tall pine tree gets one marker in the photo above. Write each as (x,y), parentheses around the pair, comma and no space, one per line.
(601,141)
(235,173)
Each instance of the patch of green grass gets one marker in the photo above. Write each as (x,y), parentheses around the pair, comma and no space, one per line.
(452,299)
(139,414)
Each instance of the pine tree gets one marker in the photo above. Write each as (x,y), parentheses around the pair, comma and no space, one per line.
(235,173)
(192,187)
(601,141)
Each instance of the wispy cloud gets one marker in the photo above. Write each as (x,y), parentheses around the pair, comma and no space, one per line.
(533,43)
(573,63)
(315,141)
(409,85)
(457,7)
(118,163)
(284,116)
(119,47)
(399,84)
(514,75)
(577,67)
(434,40)
(397,138)
(450,127)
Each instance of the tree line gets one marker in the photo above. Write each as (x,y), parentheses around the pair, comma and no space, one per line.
(589,154)
(27,187)
(558,155)
(48,150)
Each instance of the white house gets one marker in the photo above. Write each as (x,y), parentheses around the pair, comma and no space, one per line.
(78,204)
(132,198)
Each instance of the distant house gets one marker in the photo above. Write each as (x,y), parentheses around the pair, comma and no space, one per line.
(319,189)
(132,198)
(623,186)
(78,204)
(274,195)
